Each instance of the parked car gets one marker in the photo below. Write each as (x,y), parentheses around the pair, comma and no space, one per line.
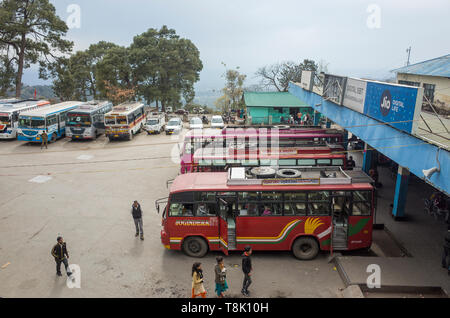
(155,124)
(181,111)
(174,126)
(195,123)
(217,122)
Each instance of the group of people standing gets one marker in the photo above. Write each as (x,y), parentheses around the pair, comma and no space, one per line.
(300,119)
(198,288)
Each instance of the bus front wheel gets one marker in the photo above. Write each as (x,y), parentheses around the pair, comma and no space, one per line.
(305,248)
(195,247)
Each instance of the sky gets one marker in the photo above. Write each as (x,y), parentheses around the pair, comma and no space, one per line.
(358,38)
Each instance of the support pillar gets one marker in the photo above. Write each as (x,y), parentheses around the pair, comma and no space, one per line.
(345,139)
(367,159)
(316,118)
(401,190)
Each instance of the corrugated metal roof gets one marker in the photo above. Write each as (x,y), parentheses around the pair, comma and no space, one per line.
(272,99)
(439,66)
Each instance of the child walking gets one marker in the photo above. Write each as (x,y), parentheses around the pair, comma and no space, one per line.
(221,277)
(197,281)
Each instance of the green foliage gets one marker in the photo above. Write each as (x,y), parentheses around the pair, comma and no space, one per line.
(232,92)
(159,66)
(30,33)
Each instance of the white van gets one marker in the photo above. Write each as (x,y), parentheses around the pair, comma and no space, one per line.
(156,123)
(217,122)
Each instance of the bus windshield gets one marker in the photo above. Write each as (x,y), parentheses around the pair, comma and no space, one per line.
(79,120)
(152,122)
(122,120)
(4,119)
(32,123)
(110,120)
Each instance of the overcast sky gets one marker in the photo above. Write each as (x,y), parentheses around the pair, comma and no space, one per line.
(347,34)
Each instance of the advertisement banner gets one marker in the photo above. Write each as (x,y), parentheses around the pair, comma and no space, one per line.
(355,94)
(398,105)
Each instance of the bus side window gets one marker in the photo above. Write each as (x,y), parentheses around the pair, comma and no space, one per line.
(361,203)
(205,209)
(319,203)
(295,203)
(181,209)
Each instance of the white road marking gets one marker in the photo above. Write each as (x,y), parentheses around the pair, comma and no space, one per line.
(40,179)
(85,157)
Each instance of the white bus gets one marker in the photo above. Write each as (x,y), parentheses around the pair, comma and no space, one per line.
(125,120)
(9,114)
(88,120)
(50,118)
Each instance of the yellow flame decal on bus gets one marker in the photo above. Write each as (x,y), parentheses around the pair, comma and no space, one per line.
(312,224)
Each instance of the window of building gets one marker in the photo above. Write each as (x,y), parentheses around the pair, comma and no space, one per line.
(428,91)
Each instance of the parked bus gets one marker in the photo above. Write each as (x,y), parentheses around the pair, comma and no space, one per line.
(194,141)
(125,120)
(9,114)
(210,159)
(325,208)
(51,118)
(88,120)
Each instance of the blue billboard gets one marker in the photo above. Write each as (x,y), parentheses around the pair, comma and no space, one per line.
(398,105)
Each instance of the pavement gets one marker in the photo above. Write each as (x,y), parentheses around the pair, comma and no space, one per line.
(414,260)
(84,191)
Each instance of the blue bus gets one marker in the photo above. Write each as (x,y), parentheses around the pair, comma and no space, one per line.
(51,118)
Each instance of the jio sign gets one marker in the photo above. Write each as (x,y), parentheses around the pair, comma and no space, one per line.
(385,103)
(396,104)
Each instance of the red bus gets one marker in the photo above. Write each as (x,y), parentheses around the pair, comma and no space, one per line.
(210,159)
(194,141)
(326,208)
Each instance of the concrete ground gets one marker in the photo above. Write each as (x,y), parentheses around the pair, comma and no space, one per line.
(420,234)
(84,191)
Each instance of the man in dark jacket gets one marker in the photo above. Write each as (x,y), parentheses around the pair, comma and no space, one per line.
(59,252)
(137,217)
(446,253)
(247,269)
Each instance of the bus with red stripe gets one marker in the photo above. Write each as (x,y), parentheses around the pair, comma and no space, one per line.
(211,159)
(325,209)
(257,138)
(125,120)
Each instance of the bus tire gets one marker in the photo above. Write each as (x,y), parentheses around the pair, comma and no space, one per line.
(53,139)
(305,248)
(130,136)
(195,246)
(288,173)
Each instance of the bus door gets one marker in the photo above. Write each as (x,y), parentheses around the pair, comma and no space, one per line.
(227,226)
(340,209)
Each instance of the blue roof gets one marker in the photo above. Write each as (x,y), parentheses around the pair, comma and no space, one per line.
(439,66)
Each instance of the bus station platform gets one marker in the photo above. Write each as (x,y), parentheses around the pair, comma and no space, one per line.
(408,252)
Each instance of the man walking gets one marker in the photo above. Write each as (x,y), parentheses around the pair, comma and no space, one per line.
(59,252)
(247,269)
(44,137)
(136,212)
(350,163)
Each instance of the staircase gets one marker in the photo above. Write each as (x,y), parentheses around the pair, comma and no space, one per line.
(231,235)
(339,238)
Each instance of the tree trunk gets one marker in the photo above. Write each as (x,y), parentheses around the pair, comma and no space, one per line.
(20,66)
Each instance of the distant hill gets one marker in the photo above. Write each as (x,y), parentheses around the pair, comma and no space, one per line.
(42,92)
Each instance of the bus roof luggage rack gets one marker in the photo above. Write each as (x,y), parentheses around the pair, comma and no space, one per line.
(308,176)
